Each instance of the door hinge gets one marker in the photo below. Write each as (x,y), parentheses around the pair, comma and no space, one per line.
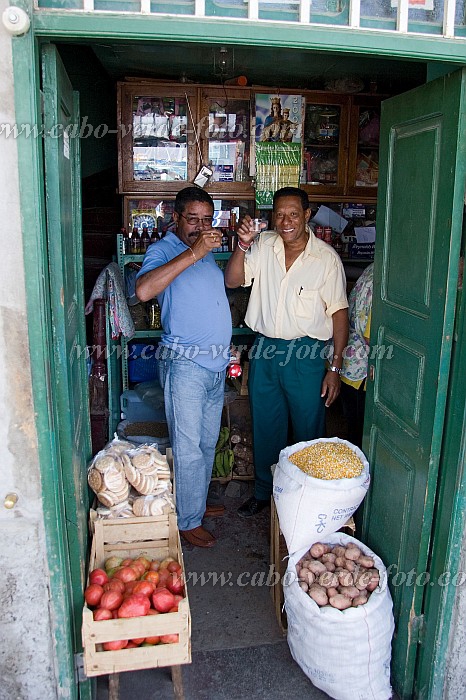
(417,629)
(79,668)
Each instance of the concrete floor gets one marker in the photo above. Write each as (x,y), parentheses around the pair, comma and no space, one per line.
(238,649)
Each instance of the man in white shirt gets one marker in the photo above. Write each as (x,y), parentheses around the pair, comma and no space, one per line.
(298,302)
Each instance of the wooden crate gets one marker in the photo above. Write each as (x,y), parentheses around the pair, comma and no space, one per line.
(155,538)
(279,560)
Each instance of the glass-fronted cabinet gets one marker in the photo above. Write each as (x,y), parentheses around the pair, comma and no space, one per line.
(224,128)
(325,144)
(364,139)
(154,124)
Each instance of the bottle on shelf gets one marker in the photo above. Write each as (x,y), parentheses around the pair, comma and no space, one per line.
(154,314)
(124,233)
(145,240)
(135,245)
(154,236)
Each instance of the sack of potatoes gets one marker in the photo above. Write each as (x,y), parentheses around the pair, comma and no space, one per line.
(340,618)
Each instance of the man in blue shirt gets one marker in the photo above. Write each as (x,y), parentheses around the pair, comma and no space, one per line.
(180,270)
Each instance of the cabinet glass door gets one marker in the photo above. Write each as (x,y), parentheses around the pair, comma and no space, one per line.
(225,129)
(364,139)
(324,164)
(160,150)
(155,151)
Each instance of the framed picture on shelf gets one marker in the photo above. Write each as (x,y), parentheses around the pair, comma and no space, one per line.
(149,211)
(141,218)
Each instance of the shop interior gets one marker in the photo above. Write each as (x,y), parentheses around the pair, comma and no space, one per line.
(350,87)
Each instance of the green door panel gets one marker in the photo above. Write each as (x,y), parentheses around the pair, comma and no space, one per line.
(421,187)
(63,204)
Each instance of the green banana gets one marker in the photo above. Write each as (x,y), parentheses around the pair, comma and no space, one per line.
(223,439)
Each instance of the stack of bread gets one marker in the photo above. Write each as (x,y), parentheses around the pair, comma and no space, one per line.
(131,481)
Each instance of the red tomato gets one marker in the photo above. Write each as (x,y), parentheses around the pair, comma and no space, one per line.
(169,638)
(114,646)
(174,567)
(125,574)
(153,612)
(162,600)
(175,583)
(127,562)
(136,605)
(138,568)
(98,576)
(178,599)
(131,645)
(115,614)
(152,640)
(130,586)
(93,594)
(138,641)
(102,614)
(111,600)
(164,575)
(174,609)
(154,565)
(152,576)
(165,562)
(144,587)
(144,561)
(114,585)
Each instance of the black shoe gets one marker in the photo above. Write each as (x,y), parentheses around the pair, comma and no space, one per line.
(252,507)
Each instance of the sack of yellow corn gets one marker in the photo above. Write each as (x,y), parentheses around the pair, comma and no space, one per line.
(317,487)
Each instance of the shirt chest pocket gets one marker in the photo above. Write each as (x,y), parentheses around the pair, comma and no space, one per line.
(305,303)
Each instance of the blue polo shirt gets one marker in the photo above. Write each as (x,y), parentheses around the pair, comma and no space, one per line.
(195,312)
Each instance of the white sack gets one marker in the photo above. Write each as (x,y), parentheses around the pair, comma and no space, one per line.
(344,653)
(309,509)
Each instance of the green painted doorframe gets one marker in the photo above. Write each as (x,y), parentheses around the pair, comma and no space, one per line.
(32,201)
(62,25)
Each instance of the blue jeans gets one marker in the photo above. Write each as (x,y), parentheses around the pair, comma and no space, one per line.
(193,406)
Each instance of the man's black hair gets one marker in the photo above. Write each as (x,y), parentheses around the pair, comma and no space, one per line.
(292,192)
(191,194)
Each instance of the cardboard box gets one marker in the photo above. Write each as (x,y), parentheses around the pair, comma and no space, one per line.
(155,538)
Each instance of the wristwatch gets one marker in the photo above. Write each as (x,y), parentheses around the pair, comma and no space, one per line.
(332,368)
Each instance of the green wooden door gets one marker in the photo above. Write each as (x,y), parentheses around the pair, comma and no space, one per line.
(64,236)
(421,191)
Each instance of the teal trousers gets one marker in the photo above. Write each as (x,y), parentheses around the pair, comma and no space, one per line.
(285,383)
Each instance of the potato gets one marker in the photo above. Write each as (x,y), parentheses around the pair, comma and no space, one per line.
(340,602)
(317,567)
(329,557)
(363,578)
(310,577)
(359,600)
(318,594)
(339,551)
(366,562)
(318,549)
(352,553)
(350,565)
(331,592)
(340,561)
(303,585)
(345,578)
(302,574)
(349,591)
(328,580)
(374,581)
(330,566)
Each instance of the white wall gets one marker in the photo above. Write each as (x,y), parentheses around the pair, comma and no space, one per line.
(27,668)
